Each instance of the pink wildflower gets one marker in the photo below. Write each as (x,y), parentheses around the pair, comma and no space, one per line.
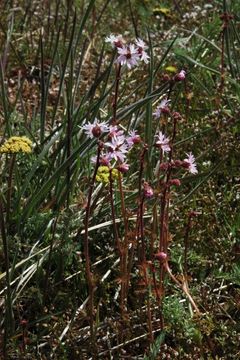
(95,129)
(115,41)
(180,76)
(133,138)
(162,108)
(104,159)
(117,148)
(190,160)
(163,142)
(115,131)
(141,50)
(128,55)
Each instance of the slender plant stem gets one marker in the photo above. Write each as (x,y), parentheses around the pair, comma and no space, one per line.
(114,105)
(186,244)
(89,274)
(183,286)
(9,190)
(125,246)
(9,313)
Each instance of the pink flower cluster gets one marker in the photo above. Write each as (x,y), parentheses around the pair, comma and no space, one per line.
(129,54)
(117,144)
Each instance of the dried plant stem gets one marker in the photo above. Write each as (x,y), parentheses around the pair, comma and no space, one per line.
(183,286)
(125,246)
(89,274)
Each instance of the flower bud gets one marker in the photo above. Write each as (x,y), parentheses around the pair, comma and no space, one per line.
(175,182)
(147,190)
(185,164)
(166,77)
(176,115)
(180,76)
(161,256)
(104,161)
(123,168)
(165,166)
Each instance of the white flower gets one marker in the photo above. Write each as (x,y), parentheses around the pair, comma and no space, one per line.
(115,41)
(163,142)
(95,129)
(128,55)
(117,148)
(191,163)
(141,50)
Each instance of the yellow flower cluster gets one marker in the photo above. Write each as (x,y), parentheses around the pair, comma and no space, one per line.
(103,174)
(16,144)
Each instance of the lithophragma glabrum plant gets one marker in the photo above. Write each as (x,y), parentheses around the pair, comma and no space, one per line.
(114,145)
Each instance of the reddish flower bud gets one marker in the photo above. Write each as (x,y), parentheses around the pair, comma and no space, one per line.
(180,76)
(164,166)
(123,168)
(147,190)
(165,110)
(185,164)
(161,256)
(175,182)
(176,163)
(176,115)
(24,322)
(166,77)
(104,161)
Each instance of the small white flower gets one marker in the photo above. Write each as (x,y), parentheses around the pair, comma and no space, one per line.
(192,164)
(95,129)
(163,142)
(141,50)
(128,55)
(115,41)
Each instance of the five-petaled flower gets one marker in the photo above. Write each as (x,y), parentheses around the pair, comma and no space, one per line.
(163,142)
(190,160)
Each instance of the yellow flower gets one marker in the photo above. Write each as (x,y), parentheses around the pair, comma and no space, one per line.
(16,144)
(103,174)
(162,10)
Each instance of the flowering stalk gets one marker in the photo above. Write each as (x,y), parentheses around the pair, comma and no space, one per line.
(89,274)
(125,251)
(114,105)
(139,225)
